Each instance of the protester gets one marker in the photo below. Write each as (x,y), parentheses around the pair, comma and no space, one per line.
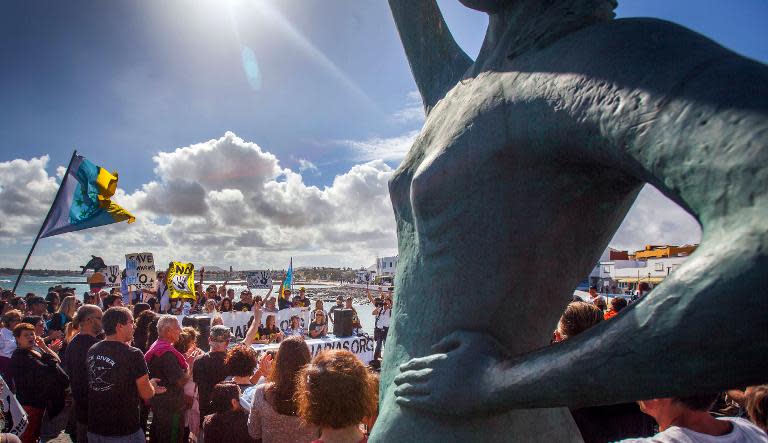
(20,305)
(64,314)
(209,369)
(88,321)
(600,303)
(284,302)
(246,301)
(187,345)
(38,306)
(8,342)
(112,301)
(273,411)
(170,366)
(599,424)
(240,364)
(301,300)
(339,305)
(210,307)
(138,308)
(318,307)
(338,416)
(294,327)
(757,405)
(38,379)
(617,304)
(118,381)
(356,325)
(52,302)
(141,332)
(687,419)
(228,422)
(270,332)
(226,305)
(270,305)
(160,292)
(381,326)
(319,326)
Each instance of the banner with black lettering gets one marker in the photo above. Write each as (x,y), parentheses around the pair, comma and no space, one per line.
(140,270)
(13,419)
(362,347)
(180,280)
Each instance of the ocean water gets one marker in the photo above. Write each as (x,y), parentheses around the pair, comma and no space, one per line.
(40,285)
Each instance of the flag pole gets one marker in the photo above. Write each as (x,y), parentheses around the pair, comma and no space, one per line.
(45,222)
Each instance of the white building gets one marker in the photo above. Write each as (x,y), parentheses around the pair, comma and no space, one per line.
(386,266)
(618,271)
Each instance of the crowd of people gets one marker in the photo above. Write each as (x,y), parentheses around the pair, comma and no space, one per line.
(136,374)
(736,415)
(149,372)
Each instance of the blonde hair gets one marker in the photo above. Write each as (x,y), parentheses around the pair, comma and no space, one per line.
(68,306)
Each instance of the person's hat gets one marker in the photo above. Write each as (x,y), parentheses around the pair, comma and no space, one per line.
(301,289)
(97,278)
(220,333)
(36,301)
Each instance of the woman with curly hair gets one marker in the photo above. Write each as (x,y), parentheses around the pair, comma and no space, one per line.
(273,417)
(240,364)
(141,331)
(338,417)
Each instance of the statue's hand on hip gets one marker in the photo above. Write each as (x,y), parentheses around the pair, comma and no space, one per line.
(459,379)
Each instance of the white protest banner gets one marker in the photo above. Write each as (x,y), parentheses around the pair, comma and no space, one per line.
(140,270)
(362,346)
(237,321)
(14,419)
(259,280)
(111,276)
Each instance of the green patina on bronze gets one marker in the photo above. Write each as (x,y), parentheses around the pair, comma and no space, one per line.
(529,159)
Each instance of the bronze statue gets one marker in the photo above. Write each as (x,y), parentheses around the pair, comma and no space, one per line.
(529,159)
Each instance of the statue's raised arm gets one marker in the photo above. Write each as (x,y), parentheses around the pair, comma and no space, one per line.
(436,61)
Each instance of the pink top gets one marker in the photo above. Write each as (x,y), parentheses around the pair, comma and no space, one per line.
(265,423)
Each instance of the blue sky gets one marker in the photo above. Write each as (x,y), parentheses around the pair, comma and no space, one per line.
(315,98)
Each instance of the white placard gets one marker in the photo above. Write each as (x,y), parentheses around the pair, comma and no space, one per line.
(111,276)
(140,270)
(259,280)
(237,321)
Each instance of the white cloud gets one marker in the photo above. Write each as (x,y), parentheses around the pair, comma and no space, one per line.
(227,202)
(306,165)
(26,193)
(377,148)
(654,219)
(413,110)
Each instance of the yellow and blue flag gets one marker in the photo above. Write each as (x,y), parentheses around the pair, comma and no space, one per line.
(83,200)
(288,279)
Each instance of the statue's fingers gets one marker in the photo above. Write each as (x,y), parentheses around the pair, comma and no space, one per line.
(448,343)
(410,389)
(414,401)
(413,376)
(422,362)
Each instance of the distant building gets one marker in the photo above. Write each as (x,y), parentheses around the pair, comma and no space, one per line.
(386,266)
(621,271)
